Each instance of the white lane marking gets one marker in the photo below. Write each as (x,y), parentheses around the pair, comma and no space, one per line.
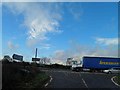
(73,72)
(114,81)
(84,82)
(49,81)
(46,84)
(51,78)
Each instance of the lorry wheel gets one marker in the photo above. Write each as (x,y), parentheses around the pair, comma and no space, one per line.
(77,70)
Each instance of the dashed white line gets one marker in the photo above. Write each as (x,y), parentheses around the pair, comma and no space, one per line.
(48,82)
(84,82)
(51,78)
(114,81)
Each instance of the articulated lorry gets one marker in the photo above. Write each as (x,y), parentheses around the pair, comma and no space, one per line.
(97,63)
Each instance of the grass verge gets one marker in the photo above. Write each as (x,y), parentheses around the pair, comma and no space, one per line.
(38,82)
(22,75)
(117,79)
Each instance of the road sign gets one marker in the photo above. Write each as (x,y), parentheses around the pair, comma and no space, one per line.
(35,59)
(17,57)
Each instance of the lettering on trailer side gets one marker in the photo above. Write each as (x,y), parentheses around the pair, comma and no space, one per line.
(109,63)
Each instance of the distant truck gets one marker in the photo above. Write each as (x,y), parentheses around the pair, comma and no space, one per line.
(98,63)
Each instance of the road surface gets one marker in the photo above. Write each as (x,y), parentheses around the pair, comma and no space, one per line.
(70,79)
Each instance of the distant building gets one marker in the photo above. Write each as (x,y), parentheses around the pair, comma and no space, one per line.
(71,61)
(68,62)
(7,57)
(44,60)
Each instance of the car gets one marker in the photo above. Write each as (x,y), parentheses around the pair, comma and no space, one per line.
(112,70)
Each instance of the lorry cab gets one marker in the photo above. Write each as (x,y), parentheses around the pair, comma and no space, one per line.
(76,66)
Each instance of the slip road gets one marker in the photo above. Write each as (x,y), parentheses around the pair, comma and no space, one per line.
(69,79)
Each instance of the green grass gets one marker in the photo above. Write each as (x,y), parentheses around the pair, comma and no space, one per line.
(13,76)
(37,82)
(117,79)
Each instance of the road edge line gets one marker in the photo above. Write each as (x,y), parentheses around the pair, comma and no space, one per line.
(48,81)
(114,81)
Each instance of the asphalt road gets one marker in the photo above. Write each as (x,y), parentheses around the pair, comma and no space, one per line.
(70,79)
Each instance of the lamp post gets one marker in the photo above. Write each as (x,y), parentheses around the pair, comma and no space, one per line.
(36,53)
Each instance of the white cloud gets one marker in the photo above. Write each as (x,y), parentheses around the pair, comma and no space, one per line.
(1,55)
(107,41)
(45,46)
(42,19)
(78,51)
(59,54)
(75,9)
(11,45)
(39,18)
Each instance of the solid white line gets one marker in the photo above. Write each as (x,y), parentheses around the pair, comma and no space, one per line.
(114,81)
(84,82)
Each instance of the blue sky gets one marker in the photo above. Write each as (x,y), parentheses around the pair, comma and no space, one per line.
(57,29)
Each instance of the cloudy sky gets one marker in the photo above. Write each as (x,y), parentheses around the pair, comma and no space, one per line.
(60,30)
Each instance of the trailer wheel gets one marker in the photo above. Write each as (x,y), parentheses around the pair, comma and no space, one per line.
(77,70)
